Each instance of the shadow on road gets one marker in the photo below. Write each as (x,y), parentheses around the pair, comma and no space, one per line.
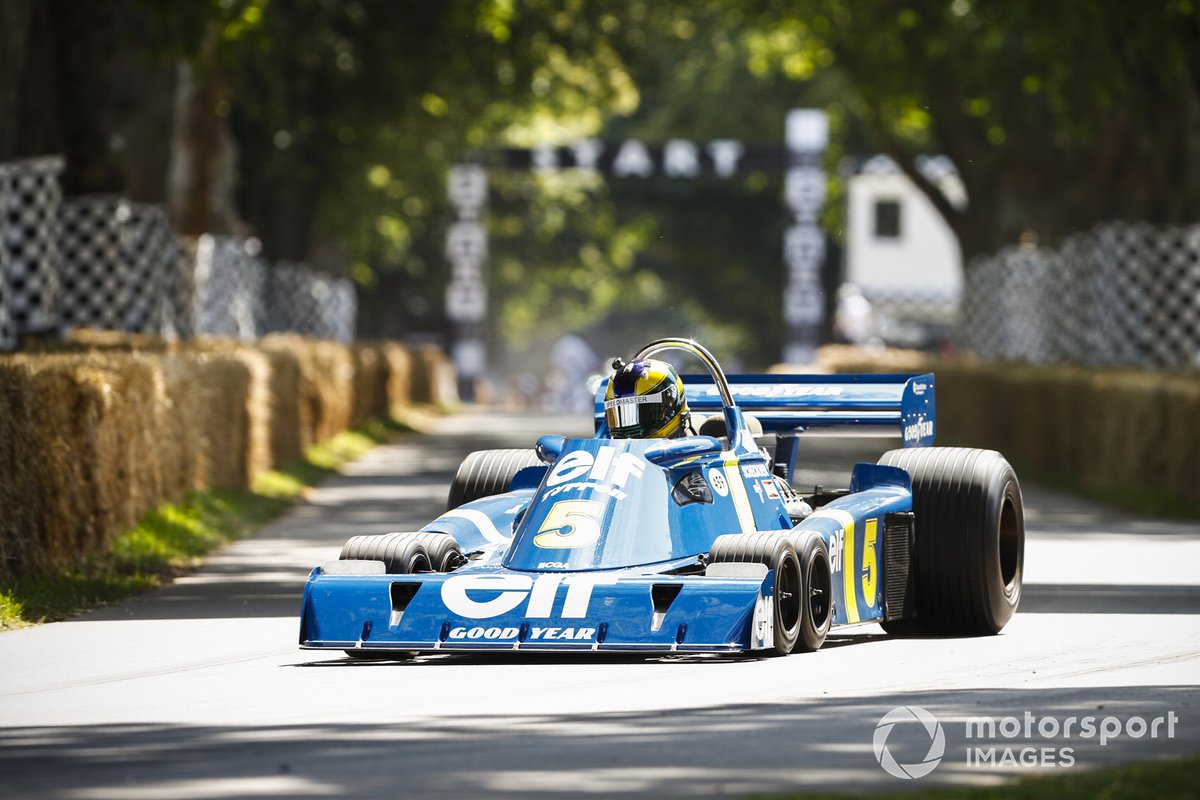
(719,750)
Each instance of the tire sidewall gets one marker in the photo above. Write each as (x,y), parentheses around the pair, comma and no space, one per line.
(815,567)
(1004,509)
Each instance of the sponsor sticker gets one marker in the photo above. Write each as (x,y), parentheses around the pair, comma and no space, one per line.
(491,595)
(918,430)
(535,634)
(755,471)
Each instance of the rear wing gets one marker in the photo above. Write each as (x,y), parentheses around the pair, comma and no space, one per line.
(831,405)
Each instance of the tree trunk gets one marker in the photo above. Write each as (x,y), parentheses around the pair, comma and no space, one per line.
(203,166)
(15,19)
(144,103)
(86,53)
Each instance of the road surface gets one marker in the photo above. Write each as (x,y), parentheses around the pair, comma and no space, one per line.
(198,690)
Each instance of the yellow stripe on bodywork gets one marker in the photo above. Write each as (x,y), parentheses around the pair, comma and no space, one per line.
(737,490)
(849,568)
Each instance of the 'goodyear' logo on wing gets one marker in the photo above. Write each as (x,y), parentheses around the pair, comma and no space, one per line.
(918,430)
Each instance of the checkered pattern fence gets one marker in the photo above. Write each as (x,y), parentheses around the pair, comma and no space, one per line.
(30,199)
(95,269)
(157,287)
(302,300)
(230,281)
(921,304)
(1120,294)
(100,262)
(8,334)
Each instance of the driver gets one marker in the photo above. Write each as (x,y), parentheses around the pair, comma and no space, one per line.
(645,400)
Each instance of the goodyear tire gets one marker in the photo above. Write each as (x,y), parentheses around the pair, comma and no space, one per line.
(444,553)
(401,553)
(407,552)
(778,554)
(817,609)
(970,539)
(488,472)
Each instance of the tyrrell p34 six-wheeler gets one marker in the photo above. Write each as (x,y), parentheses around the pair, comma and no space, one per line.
(696,543)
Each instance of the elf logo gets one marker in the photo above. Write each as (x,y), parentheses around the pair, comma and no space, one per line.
(487,596)
(608,465)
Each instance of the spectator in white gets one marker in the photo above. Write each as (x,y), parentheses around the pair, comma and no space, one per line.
(854,319)
(574,361)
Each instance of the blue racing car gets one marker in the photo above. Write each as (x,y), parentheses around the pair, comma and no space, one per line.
(697,542)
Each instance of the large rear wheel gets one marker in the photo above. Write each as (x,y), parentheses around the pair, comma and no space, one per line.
(488,472)
(970,539)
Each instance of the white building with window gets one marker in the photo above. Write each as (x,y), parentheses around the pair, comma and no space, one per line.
(900,252)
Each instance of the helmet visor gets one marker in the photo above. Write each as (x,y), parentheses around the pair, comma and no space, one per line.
(637,415)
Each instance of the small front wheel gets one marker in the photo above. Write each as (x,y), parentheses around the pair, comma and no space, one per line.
(787,598)
(817,607)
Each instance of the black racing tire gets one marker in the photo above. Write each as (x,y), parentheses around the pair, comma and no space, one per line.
(444,553)
(488,472)
(776,551)
(970,540)
(402,553)
(407,552)
(817,611)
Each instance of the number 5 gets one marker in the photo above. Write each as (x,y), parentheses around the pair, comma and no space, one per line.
(570,523)
(870,566)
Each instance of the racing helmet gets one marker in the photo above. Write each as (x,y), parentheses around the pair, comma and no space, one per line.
(645,400)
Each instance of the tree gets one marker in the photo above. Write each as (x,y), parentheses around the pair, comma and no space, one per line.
(1057,115)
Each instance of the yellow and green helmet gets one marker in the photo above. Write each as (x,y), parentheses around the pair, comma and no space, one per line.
(645,400)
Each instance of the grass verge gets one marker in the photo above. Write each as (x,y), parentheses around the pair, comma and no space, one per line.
(1163,779)
(173,538)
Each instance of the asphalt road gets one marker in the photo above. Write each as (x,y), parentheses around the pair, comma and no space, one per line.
(198,690)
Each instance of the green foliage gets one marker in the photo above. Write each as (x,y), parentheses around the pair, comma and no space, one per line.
(1058,115)
(348,115)
(1146,780)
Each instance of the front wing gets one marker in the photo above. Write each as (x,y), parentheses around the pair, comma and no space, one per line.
(504,610)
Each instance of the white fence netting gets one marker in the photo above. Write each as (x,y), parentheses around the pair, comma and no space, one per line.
(30,203)
(102,262)
(1120,294)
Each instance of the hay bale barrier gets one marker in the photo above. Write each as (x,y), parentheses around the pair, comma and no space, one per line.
(1132,435)
(102,430)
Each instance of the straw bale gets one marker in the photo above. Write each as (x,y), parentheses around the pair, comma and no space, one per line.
(370,381)
(79,439)
(326,384)
(1181,449)
(221,383)
(1102,429)
(93,437)
(399,379)
(433,378)
(40,473)
(855,358)
(97,339)
(285,401)
(334,380)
